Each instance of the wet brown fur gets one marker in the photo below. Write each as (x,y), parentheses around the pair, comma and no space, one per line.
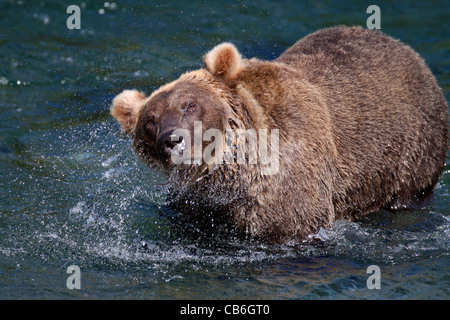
(362,124)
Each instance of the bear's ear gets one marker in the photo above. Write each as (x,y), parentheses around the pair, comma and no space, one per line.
(125,108)
(223,61)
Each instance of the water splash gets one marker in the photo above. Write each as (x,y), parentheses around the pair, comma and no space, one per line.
(112,222)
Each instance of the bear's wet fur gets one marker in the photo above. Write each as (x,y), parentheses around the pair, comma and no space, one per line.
(362,124)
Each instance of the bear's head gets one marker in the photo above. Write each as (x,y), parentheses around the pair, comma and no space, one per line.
(172,117)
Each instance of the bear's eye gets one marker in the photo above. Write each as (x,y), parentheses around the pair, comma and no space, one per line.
(190,106)
(151,124)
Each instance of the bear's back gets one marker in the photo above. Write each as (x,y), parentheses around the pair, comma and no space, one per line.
(388,115)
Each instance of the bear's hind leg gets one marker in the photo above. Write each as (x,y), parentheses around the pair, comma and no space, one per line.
(411,202)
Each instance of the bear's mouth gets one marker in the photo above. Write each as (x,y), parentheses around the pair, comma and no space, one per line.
(172,148)
(179,148)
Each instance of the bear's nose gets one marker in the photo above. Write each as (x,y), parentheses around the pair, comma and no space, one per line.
(168,141)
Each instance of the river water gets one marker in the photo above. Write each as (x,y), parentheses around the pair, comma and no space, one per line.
(72,192)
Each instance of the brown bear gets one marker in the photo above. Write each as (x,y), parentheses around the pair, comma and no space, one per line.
(361,125)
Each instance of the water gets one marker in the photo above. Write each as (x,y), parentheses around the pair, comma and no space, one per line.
(73,192)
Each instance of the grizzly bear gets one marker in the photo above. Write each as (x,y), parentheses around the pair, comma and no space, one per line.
(361,125)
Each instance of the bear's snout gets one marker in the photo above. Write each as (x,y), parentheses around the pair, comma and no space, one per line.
(167,142)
